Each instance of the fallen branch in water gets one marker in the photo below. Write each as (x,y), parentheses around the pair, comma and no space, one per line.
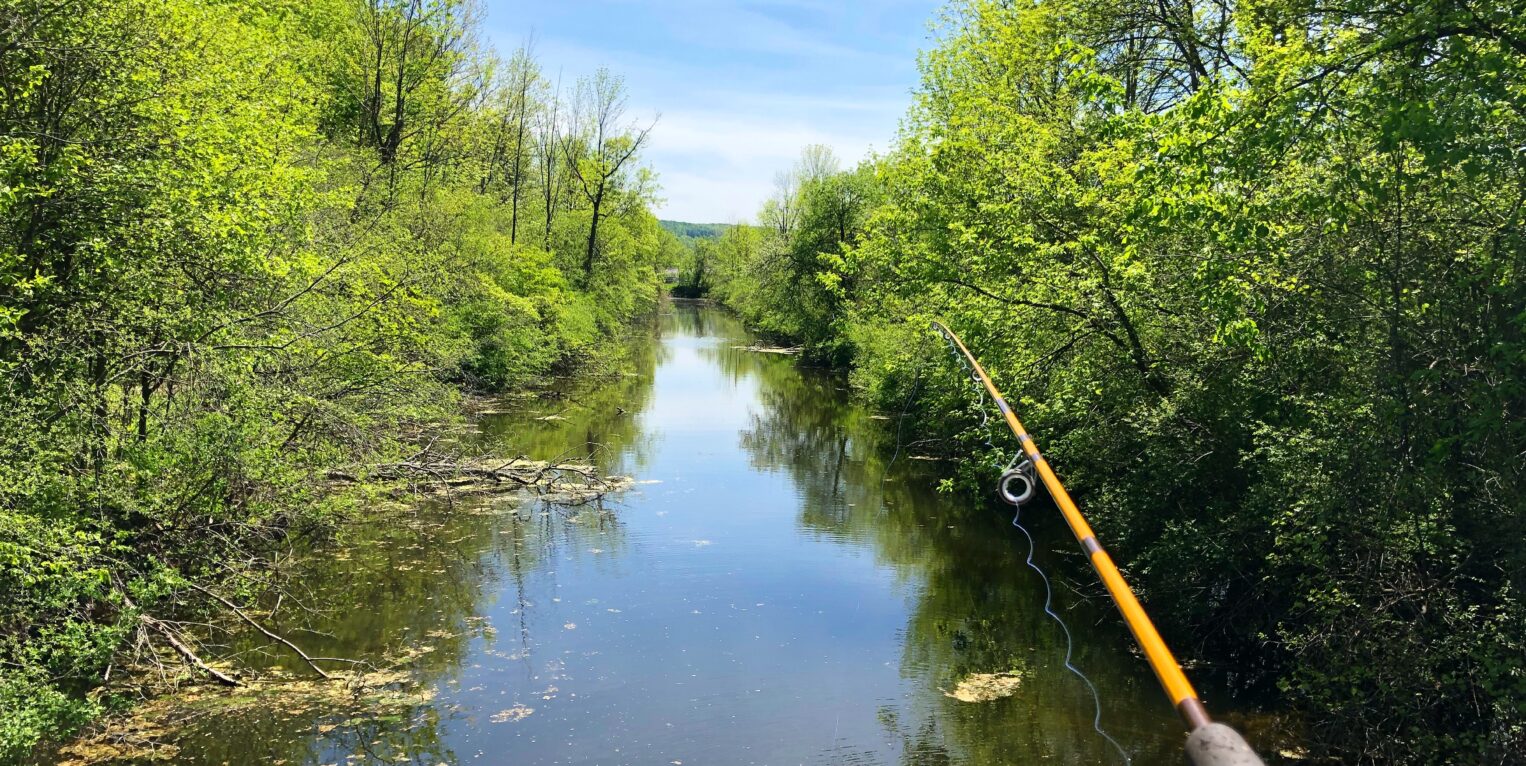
(148,621)
(185,652)
(518,473)
(261,628)
(789,351)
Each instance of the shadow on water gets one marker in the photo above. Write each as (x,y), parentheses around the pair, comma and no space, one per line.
(770,592)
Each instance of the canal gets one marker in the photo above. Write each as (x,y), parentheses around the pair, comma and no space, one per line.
(772,590)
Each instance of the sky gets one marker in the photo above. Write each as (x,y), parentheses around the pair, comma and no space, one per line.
(737,88)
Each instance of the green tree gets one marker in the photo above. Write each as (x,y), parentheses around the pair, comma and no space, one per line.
(798,278)
(600,149)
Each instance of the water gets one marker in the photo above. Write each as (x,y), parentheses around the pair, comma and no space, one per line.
(770,593)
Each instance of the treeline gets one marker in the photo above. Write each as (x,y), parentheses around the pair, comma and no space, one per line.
(693,232)
(1253,273)
(243,244)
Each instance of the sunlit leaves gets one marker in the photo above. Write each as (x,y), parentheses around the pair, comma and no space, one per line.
(1291,283)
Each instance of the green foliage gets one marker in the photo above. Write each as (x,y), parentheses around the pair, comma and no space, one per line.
(1253,273)
(36,711)
(692,255)
(795,275)
(694,276)
(242,245)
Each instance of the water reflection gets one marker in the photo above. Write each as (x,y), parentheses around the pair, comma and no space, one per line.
(601,417)
(978,608)
(773,592)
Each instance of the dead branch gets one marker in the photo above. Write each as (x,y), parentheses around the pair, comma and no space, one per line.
(185,651)
(522,473)
(261,628)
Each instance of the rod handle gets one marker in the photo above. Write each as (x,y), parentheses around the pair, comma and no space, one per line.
(1215,744)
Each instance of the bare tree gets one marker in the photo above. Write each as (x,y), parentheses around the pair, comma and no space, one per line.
(527,73)
(515,109)
(816,163)
(781,213)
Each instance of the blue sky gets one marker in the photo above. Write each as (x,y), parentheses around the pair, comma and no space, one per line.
(740,86)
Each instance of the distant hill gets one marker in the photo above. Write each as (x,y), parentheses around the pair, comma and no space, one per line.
(695,231)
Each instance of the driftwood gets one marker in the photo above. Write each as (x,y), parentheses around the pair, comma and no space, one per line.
(787,351)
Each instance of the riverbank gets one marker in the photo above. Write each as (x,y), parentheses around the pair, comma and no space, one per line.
(263,669)
(1260,305)
(136,607)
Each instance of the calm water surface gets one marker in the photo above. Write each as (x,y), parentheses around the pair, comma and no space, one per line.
(771,592)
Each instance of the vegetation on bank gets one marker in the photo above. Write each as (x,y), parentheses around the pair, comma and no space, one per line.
(696,240)
(1253,272)
(244,244)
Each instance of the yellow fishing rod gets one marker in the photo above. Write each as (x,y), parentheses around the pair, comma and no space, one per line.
(1208,743)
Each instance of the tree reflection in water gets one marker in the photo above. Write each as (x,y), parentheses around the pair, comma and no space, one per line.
(418,585)
(977,608)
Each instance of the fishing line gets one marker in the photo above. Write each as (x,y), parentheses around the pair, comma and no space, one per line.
(985,426)
(1069,643)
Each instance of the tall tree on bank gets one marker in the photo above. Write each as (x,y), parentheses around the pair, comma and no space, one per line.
(510,157)
(526,74)
(403,72)
(548,158)
(598,148)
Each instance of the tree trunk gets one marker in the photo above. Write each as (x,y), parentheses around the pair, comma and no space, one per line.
(519,162)
(593,236)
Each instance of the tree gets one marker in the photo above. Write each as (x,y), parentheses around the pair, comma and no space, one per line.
(1255,269)
(599,149)
(548,159)
(403,73)
(510,157)
(243,254)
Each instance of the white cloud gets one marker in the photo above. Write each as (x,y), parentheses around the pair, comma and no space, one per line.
(719,166)
(742,85)
(741,141)
(712,199)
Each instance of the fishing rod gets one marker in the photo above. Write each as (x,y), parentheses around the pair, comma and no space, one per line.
(1208,743)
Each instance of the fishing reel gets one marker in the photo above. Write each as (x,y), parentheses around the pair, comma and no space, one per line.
(1017,485)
